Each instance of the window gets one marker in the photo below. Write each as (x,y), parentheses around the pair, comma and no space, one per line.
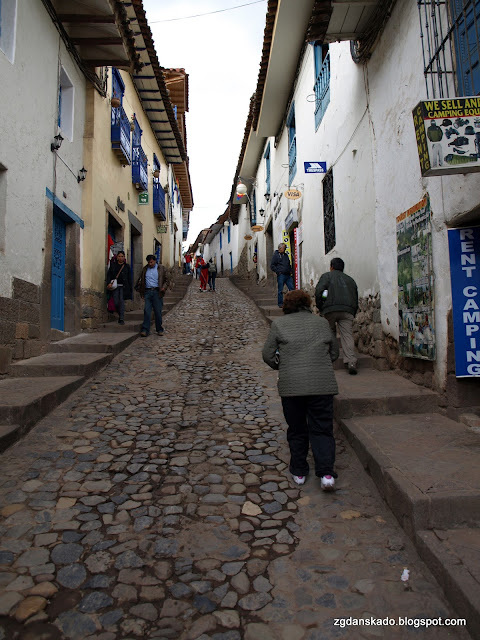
(328,212)
(321,56)
(139,159)
(221,238)
(292,145)
(65,105)
(450,34)
(228,233)
(120,125)
(158,192)
(266,155)
(8,20)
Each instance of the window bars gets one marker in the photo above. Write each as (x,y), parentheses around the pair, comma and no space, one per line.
(328,212)
(449,31)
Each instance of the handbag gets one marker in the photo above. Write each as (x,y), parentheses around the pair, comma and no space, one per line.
(111,305)
(114,283)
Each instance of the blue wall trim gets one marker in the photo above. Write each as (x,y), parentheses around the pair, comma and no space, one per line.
(72,217)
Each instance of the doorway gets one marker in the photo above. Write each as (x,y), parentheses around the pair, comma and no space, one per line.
(57,311)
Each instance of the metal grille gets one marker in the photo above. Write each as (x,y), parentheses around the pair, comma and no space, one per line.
(328,212)
(449,31)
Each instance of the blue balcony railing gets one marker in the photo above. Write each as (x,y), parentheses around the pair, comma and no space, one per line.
(139,168)
(158,199)
(121,134)
(322,90)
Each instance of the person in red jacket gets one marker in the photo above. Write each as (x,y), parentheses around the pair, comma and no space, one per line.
(203,274)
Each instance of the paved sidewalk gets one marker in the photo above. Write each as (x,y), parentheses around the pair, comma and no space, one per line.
(156,503)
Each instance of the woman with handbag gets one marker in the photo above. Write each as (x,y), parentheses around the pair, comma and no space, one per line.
(119,287)
(302,347)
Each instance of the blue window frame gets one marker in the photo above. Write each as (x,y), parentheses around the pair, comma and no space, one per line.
(139,159)
(158,192)
(266,155)
(292,144)
(120,125)
(221,232)
(465,15)
(228,234)
(322,81)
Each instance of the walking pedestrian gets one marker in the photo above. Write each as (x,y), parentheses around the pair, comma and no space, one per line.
(212,274)
(203,274)
(336,296)
(152,284)
(188,263)
(280,264)
(302,347)
(119,279)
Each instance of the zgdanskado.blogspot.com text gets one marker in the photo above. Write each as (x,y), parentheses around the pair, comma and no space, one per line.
(401,621)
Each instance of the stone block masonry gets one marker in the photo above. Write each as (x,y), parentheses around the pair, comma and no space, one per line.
(20,333)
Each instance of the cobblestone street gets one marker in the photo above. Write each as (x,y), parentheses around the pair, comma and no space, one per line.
(156,502)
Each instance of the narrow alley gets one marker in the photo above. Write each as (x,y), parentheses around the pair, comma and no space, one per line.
(156,502)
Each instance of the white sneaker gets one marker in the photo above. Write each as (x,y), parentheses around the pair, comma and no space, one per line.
(327,483)
(299,479)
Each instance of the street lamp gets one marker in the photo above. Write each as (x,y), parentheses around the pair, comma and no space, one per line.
(55,146)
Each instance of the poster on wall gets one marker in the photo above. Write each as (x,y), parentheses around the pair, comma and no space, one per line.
(464,249)
(415,282)
(296,267)
(448,135)
(286,242)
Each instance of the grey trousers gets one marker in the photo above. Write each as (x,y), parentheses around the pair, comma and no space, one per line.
(344,322)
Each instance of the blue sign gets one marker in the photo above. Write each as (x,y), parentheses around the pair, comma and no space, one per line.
(315,167)
(464,245)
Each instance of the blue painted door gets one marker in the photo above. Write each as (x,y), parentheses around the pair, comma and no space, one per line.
(58,274)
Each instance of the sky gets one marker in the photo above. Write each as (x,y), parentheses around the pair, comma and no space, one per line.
(221,53)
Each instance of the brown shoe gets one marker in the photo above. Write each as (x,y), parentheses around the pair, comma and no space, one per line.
(143,334)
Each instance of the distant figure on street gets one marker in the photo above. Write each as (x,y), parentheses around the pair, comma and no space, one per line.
(336,296)
(198,259)
(212,274)
(152,284)
(280,264)
(203,274)
(119,271)
(302,347)
(188,263)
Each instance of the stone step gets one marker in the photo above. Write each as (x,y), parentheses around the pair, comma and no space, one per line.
(382,393)
(271,310)
(130,326)
(363,362)
(61,364)
(24,402)
(97,342)
(453,556)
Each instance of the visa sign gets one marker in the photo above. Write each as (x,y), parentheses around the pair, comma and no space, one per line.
(315,167)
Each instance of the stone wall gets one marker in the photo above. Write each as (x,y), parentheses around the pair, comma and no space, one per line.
(20,334)
(94,308)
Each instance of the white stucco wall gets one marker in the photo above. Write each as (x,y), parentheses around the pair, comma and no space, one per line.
(28,123)
(396,81)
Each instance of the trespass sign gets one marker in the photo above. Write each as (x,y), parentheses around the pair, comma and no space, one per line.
(464,245)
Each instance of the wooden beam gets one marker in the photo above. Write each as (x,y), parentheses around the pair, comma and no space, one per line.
(100,40)
(79,18)
(124,63)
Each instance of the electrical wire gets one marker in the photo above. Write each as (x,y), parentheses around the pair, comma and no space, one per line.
(209,13)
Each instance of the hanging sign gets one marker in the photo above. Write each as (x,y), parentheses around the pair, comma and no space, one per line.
(296,264)
(293,194)
(257,227)
(315,167)
(286,242)
(448,135)
(143,197)
(464,246)
(247,237)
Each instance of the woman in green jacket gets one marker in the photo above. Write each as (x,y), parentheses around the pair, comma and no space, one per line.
(302,347)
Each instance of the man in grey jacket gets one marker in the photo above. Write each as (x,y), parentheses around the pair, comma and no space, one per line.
(336,296)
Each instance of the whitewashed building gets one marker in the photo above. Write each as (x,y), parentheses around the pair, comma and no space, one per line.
(332,119)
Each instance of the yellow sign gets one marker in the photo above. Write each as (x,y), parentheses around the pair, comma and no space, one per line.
(286,242)
(247,237)
(257,227)
(293,194)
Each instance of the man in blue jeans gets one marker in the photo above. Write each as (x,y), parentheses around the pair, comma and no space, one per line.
(280,264)
(152,284)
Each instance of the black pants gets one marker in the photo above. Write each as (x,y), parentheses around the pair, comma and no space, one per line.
(310,419)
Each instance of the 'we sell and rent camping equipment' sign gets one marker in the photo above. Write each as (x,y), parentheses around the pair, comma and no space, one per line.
(448,135)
